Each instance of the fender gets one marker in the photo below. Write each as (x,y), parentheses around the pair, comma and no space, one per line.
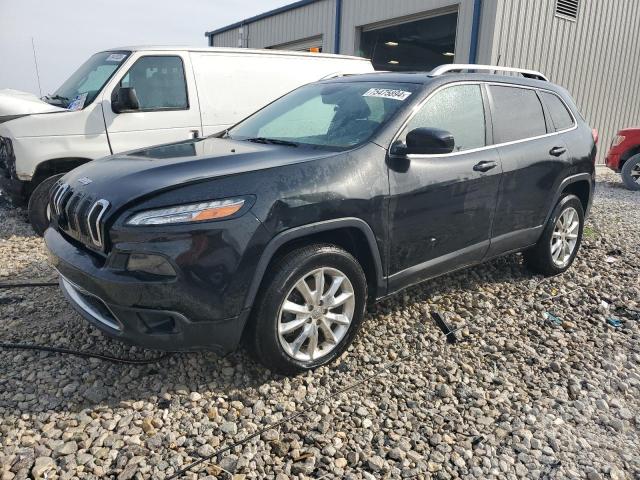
(305,230)
(564,184)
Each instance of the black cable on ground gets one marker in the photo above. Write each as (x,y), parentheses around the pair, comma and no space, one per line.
(80,353)
(28,284)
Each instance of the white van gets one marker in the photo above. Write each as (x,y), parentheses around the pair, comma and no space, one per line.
(129,98)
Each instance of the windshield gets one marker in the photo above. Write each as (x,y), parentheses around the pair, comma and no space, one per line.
(331,115)
(84,85)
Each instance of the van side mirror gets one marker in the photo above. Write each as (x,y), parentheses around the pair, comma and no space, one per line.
(124,99)
(425,141)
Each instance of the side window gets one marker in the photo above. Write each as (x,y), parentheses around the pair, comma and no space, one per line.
(459,110)
(560,116)
(159,83)
(517,114)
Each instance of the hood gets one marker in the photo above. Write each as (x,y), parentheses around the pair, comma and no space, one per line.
(14,103)
(630,131)
(123,178)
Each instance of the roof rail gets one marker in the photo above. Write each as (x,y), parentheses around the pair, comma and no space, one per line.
(458,67)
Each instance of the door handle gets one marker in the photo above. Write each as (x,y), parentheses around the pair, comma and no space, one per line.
(195,133)
(557,151)
(484,166)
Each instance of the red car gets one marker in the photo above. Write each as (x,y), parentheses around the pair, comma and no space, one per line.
(624,156)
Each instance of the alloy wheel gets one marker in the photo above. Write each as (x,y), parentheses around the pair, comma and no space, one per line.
(565,237)
(316,314)
(635,173)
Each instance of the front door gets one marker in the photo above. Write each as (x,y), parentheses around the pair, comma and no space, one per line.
(168,104)
(441,206)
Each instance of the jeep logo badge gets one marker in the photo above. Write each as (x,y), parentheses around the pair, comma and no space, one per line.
(85,180)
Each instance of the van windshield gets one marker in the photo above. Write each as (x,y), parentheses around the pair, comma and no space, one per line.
(327,115)
(84,85)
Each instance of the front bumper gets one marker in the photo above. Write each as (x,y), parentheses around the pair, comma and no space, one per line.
(14,188)
(613,161)
(120,304)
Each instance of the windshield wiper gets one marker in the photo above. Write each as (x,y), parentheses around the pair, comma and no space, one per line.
(56,97)
(272,141)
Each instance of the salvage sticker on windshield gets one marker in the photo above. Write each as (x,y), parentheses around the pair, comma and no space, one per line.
(387,93)
(78,102)
(116,57)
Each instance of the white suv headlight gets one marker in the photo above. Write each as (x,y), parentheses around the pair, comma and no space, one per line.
(194,212)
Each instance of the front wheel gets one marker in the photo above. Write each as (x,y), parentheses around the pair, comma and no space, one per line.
(309,310)
(631,173)
(39,215)
(558,246)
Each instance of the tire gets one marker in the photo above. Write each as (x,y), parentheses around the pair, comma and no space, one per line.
(540,258)
(631,173)
(270,317)
(38,209)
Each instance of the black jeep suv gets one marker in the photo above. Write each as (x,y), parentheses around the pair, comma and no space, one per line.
(281,228)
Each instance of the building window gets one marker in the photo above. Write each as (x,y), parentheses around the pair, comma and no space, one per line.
(567,8)
(413,45)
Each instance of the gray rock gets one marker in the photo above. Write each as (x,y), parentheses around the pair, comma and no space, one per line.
(95,394)
(375,463)
(41,466)
(229,427)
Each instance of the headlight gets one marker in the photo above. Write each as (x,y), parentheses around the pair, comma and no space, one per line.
(194,212)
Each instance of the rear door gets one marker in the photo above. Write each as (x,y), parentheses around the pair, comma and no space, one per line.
(168,100)
(441,206)
(533,157)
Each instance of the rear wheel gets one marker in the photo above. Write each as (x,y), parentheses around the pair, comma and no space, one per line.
(631,173)
(310,309)
(39,214)
(558,246)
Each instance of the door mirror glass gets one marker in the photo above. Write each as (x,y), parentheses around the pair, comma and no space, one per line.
(427,141)
(124,99)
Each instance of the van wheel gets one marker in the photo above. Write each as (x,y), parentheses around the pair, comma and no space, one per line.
(39,215)
(560,241)
(631,173)
(309,310)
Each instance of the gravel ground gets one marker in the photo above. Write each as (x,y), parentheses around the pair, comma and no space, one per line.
(523,394)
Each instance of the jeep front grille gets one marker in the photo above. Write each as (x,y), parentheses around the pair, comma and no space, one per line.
(79,215)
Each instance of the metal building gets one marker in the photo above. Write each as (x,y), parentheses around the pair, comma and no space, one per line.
(591,47)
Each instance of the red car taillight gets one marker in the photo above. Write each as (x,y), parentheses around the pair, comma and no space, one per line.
(617,140)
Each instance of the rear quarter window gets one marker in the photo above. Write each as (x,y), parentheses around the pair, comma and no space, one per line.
(517,114)
(560,116)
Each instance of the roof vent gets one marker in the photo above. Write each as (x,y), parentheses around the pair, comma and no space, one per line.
(567,8)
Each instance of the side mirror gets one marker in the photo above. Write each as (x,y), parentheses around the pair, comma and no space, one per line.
(124,99)
(425,141)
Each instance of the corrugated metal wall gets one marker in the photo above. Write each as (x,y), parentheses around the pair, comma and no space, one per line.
(596,58)
(318,19)
(308,21)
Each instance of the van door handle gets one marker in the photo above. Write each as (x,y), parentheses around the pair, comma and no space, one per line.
(195,133)
(557,151)
(484,166)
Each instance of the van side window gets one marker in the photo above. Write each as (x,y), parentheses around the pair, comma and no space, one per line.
(560,116)
(159,83)
(459,110)
(517,114)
